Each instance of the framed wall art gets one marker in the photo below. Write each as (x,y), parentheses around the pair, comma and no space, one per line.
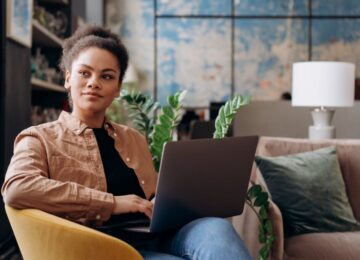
(19,21)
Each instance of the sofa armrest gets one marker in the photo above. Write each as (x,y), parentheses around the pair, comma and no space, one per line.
(275,216)
(247,226)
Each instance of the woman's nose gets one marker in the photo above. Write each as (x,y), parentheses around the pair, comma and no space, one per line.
(93,82)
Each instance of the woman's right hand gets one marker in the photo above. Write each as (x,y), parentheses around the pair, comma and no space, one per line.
(132,204)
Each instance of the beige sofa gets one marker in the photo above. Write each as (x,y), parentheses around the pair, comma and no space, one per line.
(309,246)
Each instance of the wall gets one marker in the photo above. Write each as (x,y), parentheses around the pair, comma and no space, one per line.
(216,49)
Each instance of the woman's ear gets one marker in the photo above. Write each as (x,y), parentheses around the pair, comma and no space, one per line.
(67,80)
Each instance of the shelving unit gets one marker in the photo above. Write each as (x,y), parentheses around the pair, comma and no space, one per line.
(43,37)
(45,85)
(18,96)
(55,1)
(47,94)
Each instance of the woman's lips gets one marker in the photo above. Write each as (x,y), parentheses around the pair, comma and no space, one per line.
(92,94)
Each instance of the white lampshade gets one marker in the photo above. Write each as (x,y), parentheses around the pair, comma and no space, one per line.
(323,84)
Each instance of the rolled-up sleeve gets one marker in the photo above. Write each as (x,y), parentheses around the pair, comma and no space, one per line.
(28,185)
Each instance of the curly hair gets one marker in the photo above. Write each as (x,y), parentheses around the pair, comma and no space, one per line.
(93,36)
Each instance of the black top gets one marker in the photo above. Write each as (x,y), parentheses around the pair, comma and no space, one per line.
(120,179)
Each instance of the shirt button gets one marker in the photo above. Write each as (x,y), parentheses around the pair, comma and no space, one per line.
(127,159)
(143,182)
(98,217)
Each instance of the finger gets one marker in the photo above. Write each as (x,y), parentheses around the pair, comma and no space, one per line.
(146,203)
(146,210)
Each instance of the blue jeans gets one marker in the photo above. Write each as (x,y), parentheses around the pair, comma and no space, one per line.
(205,238)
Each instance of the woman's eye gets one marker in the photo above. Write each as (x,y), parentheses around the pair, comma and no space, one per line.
(83,73)
(107,76)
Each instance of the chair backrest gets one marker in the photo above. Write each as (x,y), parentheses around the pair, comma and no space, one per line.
(44,236)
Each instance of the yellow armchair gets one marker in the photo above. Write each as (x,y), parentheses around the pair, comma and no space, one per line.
(44,236)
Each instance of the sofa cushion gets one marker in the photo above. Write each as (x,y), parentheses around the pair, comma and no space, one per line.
(309,190)
(320,246)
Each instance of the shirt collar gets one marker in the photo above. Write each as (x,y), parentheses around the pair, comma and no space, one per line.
(76,125)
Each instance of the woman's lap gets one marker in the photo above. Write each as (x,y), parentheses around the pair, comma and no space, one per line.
(205,238)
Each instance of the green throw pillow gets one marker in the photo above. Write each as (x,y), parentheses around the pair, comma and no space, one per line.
(309,190)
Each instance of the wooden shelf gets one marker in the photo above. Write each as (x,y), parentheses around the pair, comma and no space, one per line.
(65,2)
(44,37)
(44,85)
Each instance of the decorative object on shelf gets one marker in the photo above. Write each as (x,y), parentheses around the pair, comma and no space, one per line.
(18,21)
(40,69)
(56,23)
(323,84)
(38,64)
(61,24)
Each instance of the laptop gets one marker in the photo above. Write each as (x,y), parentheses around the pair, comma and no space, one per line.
(200,178)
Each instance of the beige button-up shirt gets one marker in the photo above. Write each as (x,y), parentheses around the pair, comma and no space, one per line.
(57,168)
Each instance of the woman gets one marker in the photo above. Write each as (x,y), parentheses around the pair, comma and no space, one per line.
(98,173)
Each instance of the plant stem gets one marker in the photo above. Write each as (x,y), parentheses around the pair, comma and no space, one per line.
(253,208)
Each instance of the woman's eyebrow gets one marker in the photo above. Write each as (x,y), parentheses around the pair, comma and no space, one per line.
(103,70)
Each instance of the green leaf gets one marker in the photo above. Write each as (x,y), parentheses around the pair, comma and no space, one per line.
(182,95)
(270,240)
(226,115)
(165,120)
(227,108)
(254,191)
(263,213)
(261,199)
(168,111)
(171,100)
(262,237)
(264,252)
(268,226)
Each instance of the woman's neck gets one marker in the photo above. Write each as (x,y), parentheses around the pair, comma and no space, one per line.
(91,119)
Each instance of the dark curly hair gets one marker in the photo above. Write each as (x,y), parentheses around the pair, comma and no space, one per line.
(93,36)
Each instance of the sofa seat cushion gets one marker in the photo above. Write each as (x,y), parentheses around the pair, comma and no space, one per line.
(338,245)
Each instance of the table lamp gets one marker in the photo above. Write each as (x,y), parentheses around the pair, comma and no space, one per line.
(321,85)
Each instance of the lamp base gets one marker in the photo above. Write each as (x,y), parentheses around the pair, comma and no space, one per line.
(322,128)
(322,132)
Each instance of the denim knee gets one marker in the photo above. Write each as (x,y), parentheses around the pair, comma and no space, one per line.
(209,238)
(211,226)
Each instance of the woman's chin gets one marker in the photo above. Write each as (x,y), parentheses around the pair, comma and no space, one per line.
(93,108)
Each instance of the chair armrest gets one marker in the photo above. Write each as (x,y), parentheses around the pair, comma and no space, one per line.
(44,236)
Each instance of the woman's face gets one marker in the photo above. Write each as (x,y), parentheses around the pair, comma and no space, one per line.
(93,80)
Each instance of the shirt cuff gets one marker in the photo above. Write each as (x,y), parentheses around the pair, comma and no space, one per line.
(101,206)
